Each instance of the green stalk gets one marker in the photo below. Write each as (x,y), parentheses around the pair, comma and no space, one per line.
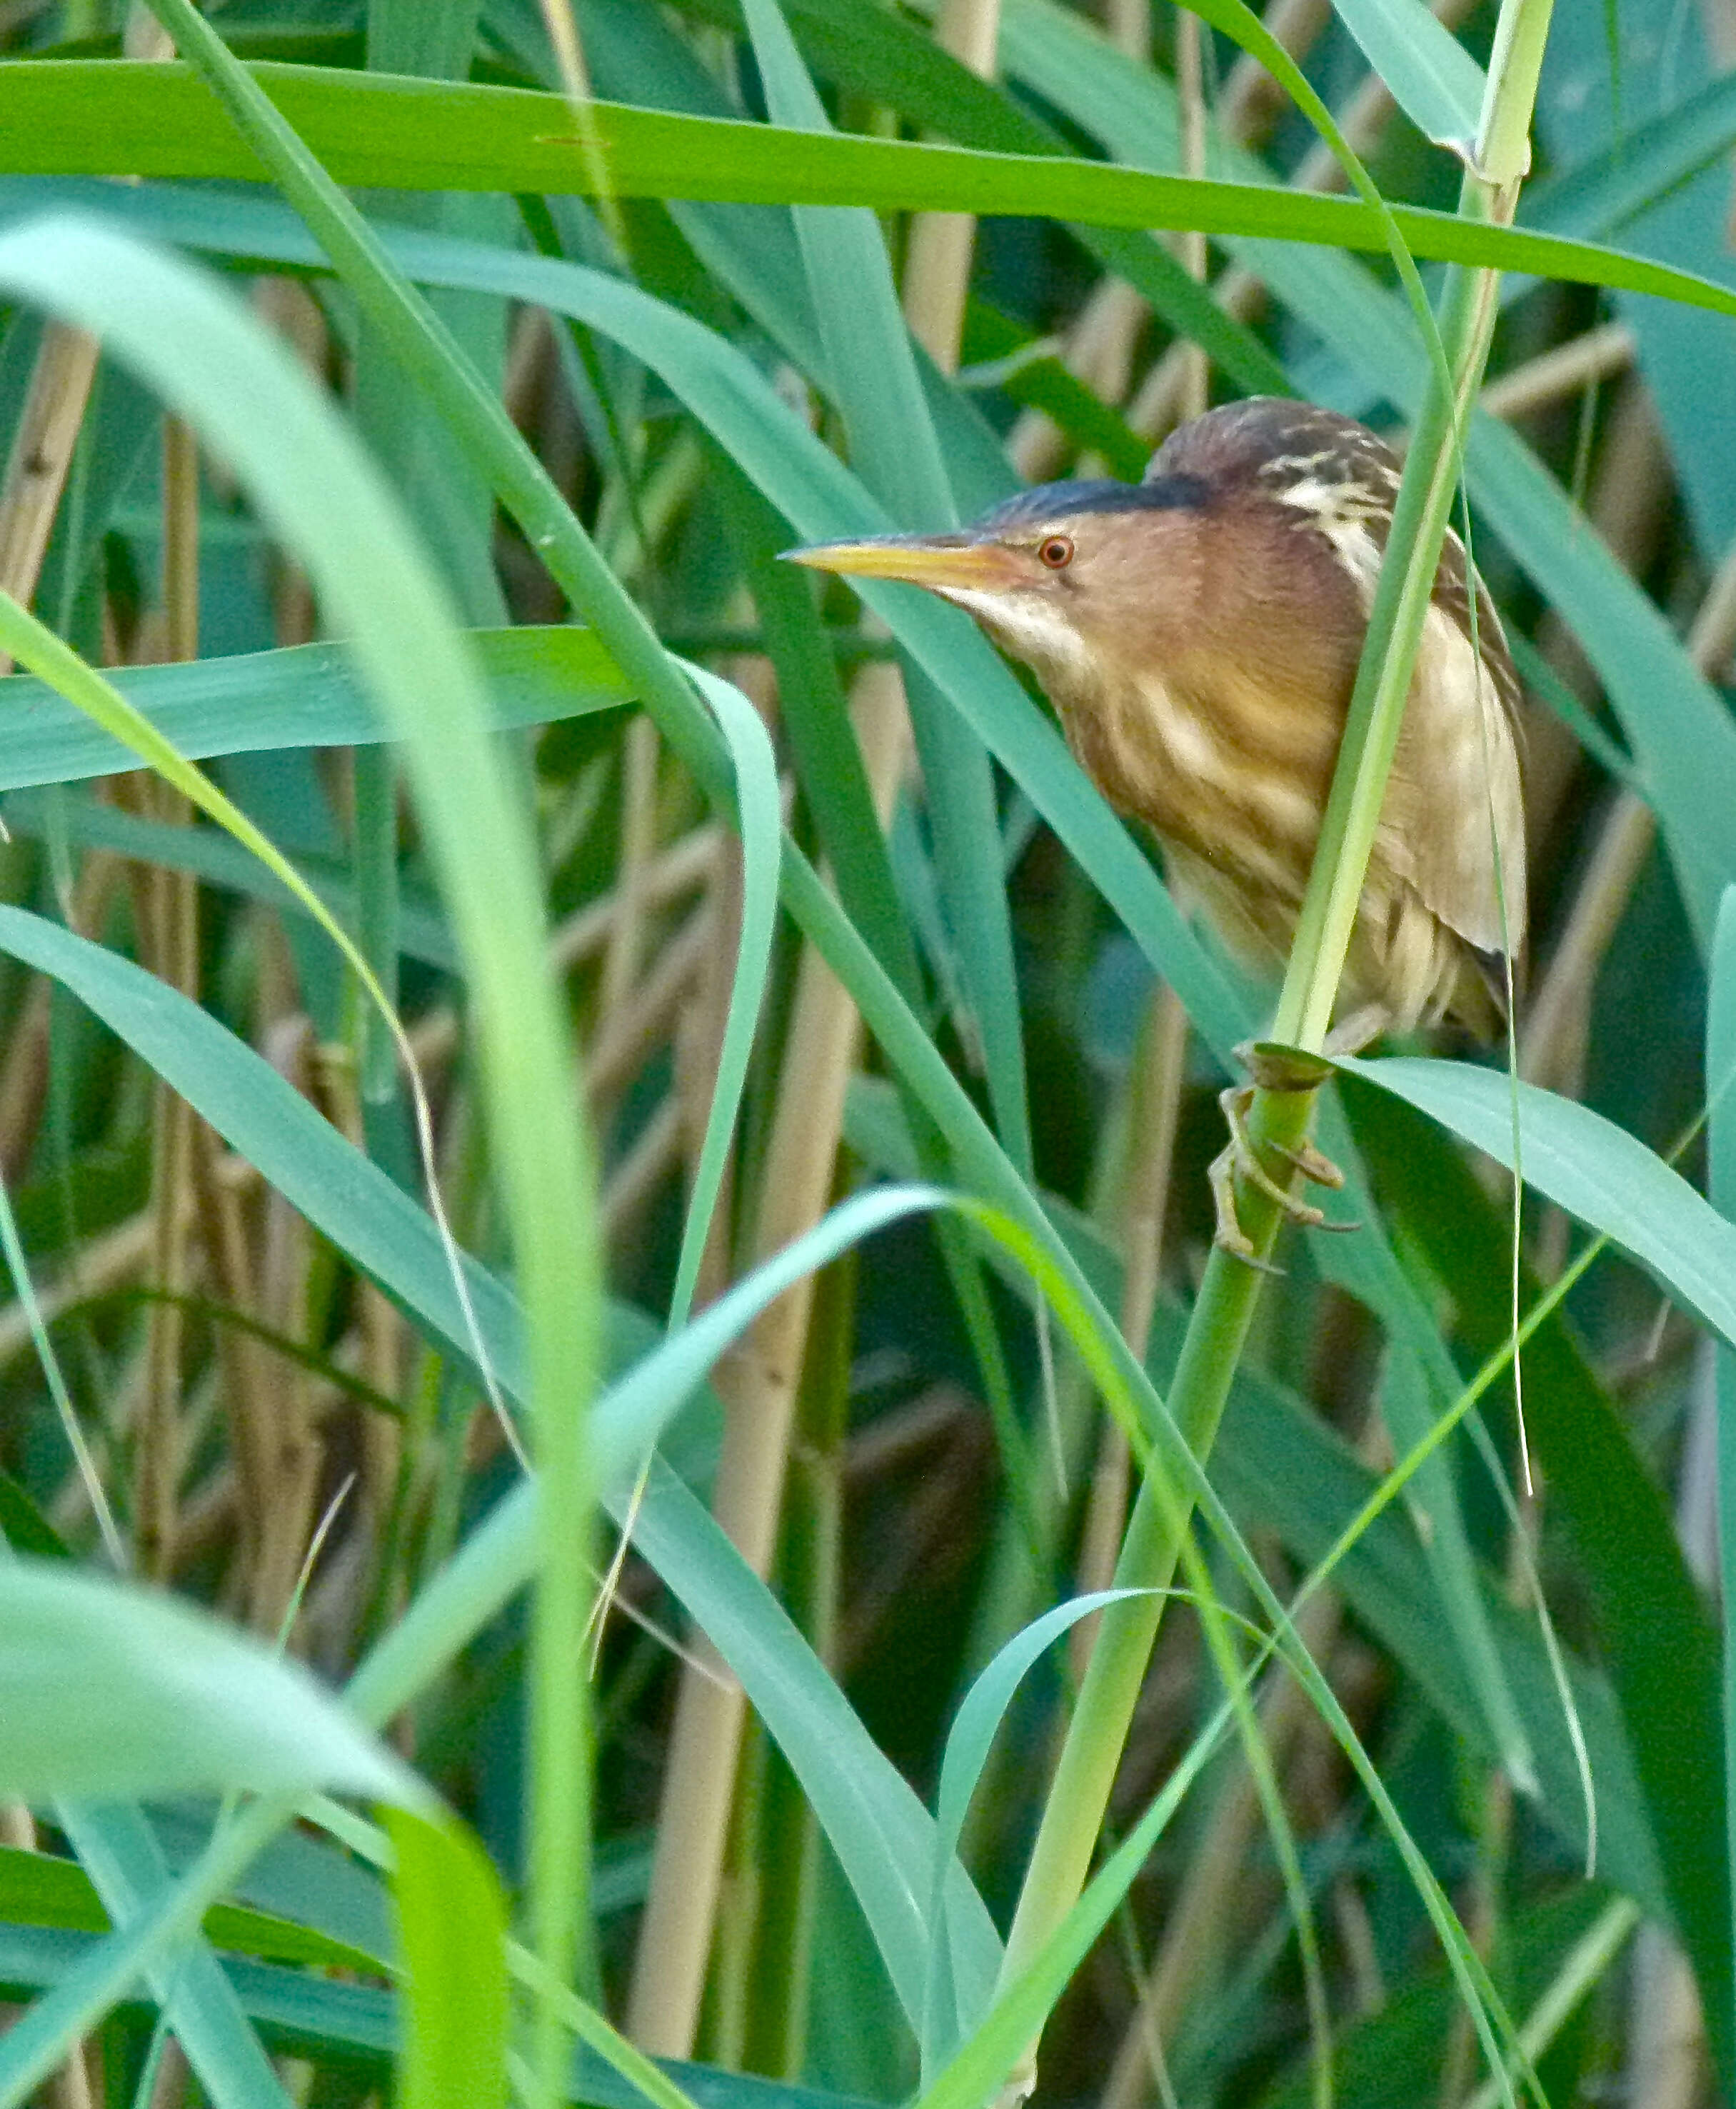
(1217,1331)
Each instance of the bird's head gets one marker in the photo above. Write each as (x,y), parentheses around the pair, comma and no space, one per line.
(1071,577)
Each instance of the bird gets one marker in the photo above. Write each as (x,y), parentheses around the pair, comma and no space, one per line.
(1198,634)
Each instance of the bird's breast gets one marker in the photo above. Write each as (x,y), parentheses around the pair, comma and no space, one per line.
(1217,769)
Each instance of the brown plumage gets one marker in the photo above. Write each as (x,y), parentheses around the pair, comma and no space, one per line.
(1198,634)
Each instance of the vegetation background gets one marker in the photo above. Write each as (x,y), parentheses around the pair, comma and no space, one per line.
(408,403)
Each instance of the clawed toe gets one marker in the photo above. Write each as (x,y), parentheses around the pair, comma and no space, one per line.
(1239,1158)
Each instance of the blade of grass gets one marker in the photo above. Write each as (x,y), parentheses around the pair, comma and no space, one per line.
(1721,1068)
(759,805)
(87,117)
(264,415)
(306,695)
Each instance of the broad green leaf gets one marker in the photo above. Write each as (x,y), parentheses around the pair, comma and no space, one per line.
(1674,207)
(1651,1625)
(452,1929)
(1431,75)
(1721,1087)
(306,695)
(116,1845)
(1587,1166)
(109,1691)
(1600,193)
(38,1889)
(358,2026)
(101,117)
(759,804)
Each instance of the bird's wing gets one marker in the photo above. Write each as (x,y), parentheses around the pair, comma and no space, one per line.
(1458,756)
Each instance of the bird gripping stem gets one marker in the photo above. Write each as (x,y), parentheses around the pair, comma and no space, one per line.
(1223,1311)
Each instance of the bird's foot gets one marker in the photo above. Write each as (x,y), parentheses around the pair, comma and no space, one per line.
(1273,1068)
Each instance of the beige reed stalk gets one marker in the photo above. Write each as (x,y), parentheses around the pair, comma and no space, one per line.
(937,266)
(758,1383)
(169,942)
(36,474)
(1154,1103)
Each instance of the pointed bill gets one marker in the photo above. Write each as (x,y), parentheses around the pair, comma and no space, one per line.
(944,564)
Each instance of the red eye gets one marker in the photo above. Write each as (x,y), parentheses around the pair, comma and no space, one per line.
(1057,552)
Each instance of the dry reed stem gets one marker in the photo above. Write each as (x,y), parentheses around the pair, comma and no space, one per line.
(379,1335)
(1154,1088)
(1193,387)
(144,38)
(1593,355)
(1666,2032)
(108,1261)
(41,455)
(1128,25)
(757,1384)
(937,262)
(24,1074)
(170,946)
(624,953)
(678,871)
(285,1252)
(656,1152)
(257,1432)
(1102,344)
(70,2087)
(645,1019)
(1559,1013)
(36,472)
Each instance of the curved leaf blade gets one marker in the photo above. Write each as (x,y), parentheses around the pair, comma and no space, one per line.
(1586,1165)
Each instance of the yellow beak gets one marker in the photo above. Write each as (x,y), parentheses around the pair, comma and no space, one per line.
(941,563)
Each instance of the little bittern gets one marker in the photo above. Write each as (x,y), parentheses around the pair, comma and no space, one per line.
(1199,633)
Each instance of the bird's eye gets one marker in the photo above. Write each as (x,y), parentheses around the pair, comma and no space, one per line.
(1056,551)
